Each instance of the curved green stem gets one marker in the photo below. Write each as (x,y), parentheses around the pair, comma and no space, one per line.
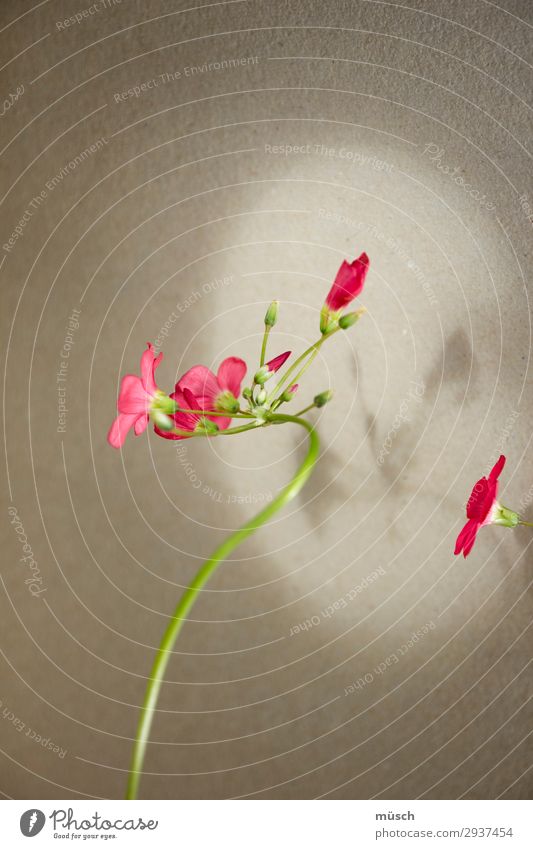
(191,593)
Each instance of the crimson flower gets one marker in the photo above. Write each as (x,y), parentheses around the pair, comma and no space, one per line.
(139,398)
(483,509)
(265,372)
(200,389)
(348,284)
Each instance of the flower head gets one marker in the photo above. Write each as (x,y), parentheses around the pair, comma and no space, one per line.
(139,399)
(200,389)
(482,508)
(265,372)
(348,284)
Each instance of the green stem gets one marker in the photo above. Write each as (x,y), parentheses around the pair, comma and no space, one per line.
(315,346)
(191,593)
(312,351)
(306,409)
(240,414)
(264,345)
(529,524)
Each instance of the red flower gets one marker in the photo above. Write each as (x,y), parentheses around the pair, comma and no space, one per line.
(482,509)
(276,363)
(137,397)
(348,284)
(182,419)
(200,389)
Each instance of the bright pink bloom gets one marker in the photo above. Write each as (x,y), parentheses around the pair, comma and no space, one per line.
(275,364)
(182,419)
(200,389)
(348,283)
(137,394)
(481,509)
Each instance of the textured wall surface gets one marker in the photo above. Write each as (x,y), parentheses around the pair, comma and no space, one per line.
(167,170)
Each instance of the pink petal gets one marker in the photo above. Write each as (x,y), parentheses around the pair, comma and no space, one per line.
(119,429)
(469,543)
(140,425)
(275,364)
(348,283)
(184,421)
(231,374)
(466,537)
(133,397)
(149,363)
(203,384)
(497,469)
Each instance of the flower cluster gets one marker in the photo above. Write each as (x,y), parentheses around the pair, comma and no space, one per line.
(205,404)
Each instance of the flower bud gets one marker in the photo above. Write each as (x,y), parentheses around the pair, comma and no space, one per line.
(261,376)
(161,401)
(323,398)
(227,403)
(261,396)
(247,393)
(348,320)
(289,393)
(162,421)
(272,314)
(265,372)
(206,426)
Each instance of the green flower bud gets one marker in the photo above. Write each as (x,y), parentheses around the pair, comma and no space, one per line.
(162,421)
(289,393)
(272,314)
(162,402)
(206,426)
(348,320)
(227,403)
(262,375)
(247,393)
(261,397)
(323,398)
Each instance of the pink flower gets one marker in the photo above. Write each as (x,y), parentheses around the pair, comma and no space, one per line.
(181,418)
(348,284)
(265,372)
(483,509)
(276,363)
(137,397)
(200,389)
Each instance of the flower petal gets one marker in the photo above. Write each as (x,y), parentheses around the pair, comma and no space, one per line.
(348,283)
(466,537)
(231,374)
(275,364)
(119,429)
(149,363)
(133,397)
(497,469)
(203,384)
(183,420)
(469,542)
(140,425)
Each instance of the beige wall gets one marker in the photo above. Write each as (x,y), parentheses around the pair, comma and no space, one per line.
(186,202)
